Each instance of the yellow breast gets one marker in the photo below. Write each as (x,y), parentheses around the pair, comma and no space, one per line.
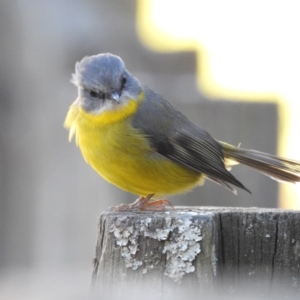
(123,156)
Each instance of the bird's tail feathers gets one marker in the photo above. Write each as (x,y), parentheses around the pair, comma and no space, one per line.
(280,169)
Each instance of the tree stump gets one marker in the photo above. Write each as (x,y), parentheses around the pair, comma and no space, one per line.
(196,252)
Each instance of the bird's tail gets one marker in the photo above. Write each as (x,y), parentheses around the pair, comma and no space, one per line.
(281,169)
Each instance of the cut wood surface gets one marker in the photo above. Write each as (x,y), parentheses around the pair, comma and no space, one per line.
(198,251)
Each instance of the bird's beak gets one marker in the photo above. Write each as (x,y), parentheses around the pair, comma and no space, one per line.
(115,96)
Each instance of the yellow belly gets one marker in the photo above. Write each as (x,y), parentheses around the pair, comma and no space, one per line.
(123,156)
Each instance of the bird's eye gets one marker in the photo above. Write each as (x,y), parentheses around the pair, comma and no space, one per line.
(93,94)
(98,95)
(124,80)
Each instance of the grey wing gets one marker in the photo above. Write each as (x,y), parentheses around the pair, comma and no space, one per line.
(175,137)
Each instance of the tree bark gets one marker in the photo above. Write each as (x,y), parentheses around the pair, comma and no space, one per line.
(196,251)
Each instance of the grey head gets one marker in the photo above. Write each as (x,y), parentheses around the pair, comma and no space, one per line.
(104,83)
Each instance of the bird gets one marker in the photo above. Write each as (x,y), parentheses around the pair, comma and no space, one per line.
(138,141)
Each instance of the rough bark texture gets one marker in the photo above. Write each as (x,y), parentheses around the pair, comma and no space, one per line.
(198,252)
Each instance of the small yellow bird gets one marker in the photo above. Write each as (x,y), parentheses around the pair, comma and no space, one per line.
(138,141)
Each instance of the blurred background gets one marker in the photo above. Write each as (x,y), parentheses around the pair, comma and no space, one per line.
(232,69)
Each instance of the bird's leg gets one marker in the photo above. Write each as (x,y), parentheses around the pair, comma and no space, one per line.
(144,203)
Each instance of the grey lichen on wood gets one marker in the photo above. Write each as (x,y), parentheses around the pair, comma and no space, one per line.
(203,250)
(181,236)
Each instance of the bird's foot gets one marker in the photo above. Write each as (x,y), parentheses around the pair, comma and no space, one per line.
(144,203)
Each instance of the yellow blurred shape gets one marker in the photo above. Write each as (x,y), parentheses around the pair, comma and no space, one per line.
(247,50)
